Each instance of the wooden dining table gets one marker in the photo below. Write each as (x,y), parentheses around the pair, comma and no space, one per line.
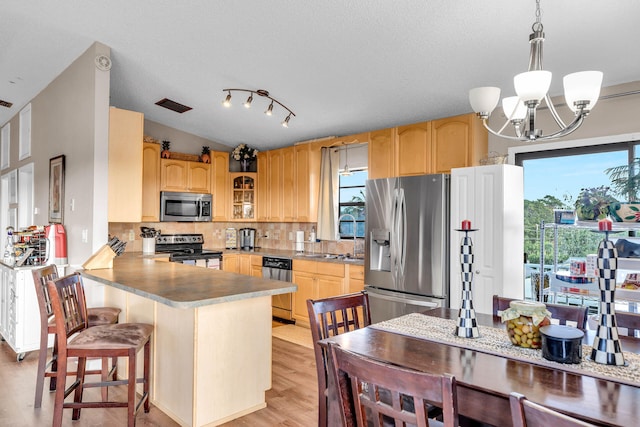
(485,380)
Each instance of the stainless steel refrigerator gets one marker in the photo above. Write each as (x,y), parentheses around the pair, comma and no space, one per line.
(407,244)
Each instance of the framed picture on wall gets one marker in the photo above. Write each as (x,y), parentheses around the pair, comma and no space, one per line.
(56,189)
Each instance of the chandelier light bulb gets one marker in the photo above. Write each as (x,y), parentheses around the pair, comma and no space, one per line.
(248,102)
(484,100)
(285,122)
(532,85)
(269,109)
(582,86)
(514,108)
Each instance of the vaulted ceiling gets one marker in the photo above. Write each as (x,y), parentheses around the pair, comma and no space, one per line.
(341,66)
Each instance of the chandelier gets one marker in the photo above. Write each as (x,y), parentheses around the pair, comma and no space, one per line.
(581,92)
(263,93)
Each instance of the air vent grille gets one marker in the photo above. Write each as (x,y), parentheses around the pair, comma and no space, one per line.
(5,103)
(173,105)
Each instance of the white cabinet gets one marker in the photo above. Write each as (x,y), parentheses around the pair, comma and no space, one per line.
(492,198)
(19,313)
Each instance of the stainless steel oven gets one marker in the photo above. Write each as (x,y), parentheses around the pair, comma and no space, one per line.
(177,206)
(277,268)
(187,249)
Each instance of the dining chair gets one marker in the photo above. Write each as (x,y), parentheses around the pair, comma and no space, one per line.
(359,379)
(329,317)
(629,321)
(571,315)
(525,413)
(76,339)
(97,316)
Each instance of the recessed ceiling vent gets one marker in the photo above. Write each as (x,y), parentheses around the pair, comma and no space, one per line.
(5,103)
(173,105)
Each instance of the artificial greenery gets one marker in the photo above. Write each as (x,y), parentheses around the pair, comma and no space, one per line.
(625,180)
(593,203)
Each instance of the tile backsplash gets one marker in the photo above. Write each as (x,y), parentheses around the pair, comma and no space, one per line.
(272,235)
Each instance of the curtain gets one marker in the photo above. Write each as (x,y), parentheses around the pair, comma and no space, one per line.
(328,195)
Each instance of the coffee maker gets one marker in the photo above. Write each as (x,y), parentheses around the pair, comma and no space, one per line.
(247,238)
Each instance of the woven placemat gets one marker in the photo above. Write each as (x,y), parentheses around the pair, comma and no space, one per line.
(496,341)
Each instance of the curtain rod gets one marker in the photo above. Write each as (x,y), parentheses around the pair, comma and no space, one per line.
(345,146)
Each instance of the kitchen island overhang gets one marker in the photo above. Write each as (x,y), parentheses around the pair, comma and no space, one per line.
(211,348)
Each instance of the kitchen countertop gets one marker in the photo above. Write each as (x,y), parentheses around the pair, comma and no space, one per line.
(182,286)
(309,256)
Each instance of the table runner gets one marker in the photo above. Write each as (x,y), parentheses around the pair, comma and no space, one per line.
(496,341)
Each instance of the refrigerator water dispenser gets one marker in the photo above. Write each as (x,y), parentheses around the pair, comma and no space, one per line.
(380,250)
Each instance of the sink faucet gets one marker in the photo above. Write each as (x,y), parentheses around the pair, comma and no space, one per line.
(353,218)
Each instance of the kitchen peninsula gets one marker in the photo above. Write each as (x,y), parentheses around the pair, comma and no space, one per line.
(211,348)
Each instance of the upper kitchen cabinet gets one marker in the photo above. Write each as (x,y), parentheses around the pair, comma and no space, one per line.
(307,182)
(262,196)
(220,185)
(183,175)
(125,165)
(289,185)
(243,196)
(150,182)
(457,142)
(413,149)
(382,153)
(274,184)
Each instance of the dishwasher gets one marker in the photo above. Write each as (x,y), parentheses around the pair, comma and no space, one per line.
(277,268)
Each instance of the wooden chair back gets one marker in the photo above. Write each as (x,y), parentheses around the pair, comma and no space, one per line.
(329,317)
(69,306)
(359,381)
(570,315)
(629,321)
(40,278)
(525,413)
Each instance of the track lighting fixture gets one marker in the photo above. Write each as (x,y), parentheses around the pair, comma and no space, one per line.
(264,94)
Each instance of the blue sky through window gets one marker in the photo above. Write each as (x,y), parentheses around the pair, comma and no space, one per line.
(562,176)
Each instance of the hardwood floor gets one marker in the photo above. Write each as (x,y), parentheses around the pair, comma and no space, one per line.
(292,400)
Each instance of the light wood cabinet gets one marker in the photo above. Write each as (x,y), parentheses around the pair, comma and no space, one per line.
(183,175)
(198,177)
(274,185)
(125,165)
(150,182)
(262,195)
(413,149)
(244,264)
(457,142)
(230,263)
(307,182)
(243,193)
(356,278)
(220,185)
(382,153)
(256,265)
(315,280)
(289,185)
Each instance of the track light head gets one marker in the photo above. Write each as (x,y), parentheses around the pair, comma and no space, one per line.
(269,109)
(248,102)
(285,122)
(227,100)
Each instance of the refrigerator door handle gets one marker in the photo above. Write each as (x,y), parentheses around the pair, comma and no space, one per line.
(411,301)
(402,231)
(394,236)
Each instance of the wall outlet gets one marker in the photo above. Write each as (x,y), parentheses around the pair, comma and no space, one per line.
(132,235)
(85,236)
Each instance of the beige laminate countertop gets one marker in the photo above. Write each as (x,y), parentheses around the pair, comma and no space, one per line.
(291,254)
(183,286)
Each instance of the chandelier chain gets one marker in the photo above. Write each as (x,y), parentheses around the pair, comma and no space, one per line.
(537,26)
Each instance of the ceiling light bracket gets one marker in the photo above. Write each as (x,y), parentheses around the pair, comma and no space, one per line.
(263,93)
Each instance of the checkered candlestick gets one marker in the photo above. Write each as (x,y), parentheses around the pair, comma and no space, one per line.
(606,344)
(467,325)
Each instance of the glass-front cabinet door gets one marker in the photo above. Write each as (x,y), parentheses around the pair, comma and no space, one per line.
(243,196)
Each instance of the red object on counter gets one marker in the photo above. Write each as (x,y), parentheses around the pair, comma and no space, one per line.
(605,224)
(466,224)
(57,241)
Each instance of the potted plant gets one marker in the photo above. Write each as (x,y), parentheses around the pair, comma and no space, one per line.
(594,203)
(245,155)
(625,180)
(205,157)
(165,153)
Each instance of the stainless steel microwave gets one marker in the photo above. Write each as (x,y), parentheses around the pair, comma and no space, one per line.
(188,207)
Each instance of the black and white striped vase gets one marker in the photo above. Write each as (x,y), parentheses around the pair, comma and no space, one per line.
(606,344)
(467,325)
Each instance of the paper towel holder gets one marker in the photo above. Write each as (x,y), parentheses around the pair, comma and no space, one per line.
(300,241)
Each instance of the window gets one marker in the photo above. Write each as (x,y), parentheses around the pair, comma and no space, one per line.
(24,149)
(352,201)
(6,143)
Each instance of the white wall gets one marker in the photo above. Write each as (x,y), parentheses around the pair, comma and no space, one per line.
(70,117)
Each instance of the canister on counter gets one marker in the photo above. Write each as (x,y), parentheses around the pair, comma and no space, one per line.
(524,319)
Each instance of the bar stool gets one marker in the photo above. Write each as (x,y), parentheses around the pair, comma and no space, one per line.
(76,339)
(97,316)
